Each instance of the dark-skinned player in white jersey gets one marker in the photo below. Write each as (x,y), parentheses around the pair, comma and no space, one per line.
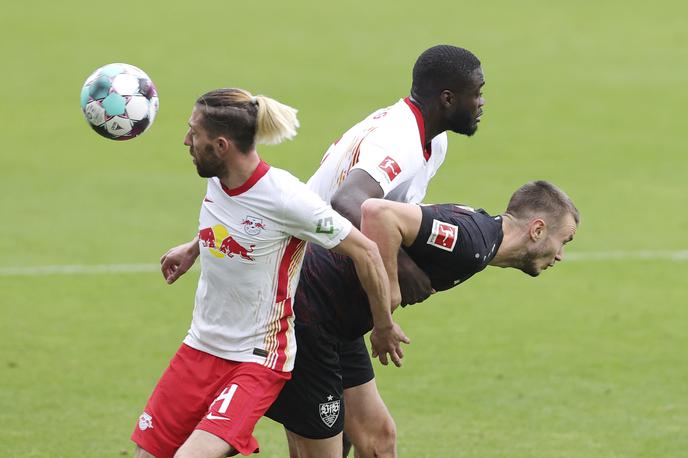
(450,243)
(392,154)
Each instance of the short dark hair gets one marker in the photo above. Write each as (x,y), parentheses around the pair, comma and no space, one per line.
(442,67)
(539,197)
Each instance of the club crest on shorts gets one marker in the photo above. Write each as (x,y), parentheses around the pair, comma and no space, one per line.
(145,421)
(329,411)
(443,235)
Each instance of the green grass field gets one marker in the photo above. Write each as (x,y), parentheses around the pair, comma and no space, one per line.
(589,360)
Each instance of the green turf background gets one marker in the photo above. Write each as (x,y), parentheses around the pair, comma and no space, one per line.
(589,360)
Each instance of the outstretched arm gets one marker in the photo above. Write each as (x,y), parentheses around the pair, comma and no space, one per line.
(387,336)
(390,225)
(178,260)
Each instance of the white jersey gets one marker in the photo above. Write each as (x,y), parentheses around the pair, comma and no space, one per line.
(389,146)
(251,247)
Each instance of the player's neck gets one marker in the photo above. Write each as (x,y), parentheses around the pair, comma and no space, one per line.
(240,168)
(510,250)
(430,119)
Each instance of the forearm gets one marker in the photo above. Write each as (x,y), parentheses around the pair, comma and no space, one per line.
(373,278)
(379,227)
(194,249)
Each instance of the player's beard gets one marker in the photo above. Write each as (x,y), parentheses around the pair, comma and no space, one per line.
(209,165)
(529,261)
(463,122)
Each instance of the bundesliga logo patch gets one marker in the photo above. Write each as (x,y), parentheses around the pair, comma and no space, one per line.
(329,411)
(443,235)
(390,167)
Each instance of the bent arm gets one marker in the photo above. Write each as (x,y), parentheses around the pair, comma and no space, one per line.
(390,225)
(176,261)
(357,187)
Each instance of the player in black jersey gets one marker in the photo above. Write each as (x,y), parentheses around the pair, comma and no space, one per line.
(449,242)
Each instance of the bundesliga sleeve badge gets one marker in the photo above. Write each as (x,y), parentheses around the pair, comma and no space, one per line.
(390,167)
(443,235)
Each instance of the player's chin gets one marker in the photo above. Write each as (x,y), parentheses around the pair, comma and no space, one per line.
(468,131)
(533,271)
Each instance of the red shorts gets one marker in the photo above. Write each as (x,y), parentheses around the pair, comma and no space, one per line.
(202,391)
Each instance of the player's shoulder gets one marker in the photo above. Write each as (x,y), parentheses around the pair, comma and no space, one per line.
(291,189)
(466,219)
(440,141)
(396,130)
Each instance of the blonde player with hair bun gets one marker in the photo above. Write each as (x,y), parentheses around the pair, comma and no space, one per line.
(254,223)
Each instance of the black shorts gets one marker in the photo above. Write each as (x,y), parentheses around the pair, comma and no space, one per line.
(311,403)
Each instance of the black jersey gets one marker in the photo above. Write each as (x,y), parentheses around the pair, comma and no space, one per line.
(454,243)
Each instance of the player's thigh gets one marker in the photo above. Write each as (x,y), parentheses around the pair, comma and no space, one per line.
(310,404)
(246,394)
(177,403)
(303,447)
(366,414)
(202,443)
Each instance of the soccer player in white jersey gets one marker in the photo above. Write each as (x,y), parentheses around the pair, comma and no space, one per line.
(253,227)
(393,153)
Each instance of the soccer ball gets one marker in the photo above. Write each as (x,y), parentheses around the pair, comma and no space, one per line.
(119,101)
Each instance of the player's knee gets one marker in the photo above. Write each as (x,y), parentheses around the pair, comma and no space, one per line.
(378,440)
(386,436)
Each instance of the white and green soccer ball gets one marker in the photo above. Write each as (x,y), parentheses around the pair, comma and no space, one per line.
(119,101)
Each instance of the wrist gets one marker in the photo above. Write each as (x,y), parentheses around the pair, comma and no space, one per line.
(383,325)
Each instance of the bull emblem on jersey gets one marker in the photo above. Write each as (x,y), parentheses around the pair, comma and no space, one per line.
(230,247)
(252,225)
(221,244)
(390,167)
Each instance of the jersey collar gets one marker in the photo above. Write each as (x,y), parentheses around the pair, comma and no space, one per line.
(257,174)
(427,151)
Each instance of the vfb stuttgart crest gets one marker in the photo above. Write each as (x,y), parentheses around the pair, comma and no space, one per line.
(329,411)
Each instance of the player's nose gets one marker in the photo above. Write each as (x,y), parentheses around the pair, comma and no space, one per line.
(560,255)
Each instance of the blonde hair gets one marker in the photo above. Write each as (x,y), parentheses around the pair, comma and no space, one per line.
(246,119)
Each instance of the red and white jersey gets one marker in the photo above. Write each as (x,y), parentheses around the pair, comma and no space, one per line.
(252,241)
(389,146)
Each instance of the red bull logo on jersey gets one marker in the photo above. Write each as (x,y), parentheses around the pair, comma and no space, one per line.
(253,225)
(221,244)
(390,167)
(443,235)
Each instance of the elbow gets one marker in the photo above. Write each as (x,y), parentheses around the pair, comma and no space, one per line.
(373,209)
(340,203)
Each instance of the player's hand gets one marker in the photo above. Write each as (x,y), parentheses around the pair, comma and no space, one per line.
(388,340)
(414,283)
(178,260)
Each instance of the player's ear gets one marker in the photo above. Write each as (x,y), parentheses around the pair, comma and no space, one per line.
(537,229)
(447,98)
(223,144)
